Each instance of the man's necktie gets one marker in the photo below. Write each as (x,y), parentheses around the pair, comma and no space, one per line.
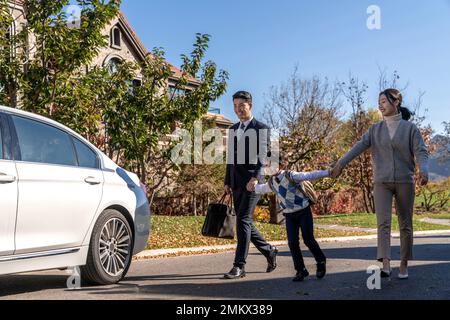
(241,131)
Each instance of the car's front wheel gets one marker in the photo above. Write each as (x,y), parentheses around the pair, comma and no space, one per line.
(110,249)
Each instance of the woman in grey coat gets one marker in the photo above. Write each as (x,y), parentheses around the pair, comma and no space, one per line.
(396,144)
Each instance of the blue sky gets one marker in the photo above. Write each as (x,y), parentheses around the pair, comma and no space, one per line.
(260,42)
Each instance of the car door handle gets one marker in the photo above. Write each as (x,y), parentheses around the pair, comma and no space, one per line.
(92,180)
(4,178)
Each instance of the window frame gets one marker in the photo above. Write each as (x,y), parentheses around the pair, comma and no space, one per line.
(16,145)
(10,35)
(97,158)
(113,62)
(2,128)
(7,138)
(113,37)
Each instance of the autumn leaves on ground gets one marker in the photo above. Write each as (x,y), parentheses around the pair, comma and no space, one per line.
(185,232)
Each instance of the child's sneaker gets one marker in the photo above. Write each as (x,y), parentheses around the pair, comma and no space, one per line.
(321,270)
(301,275)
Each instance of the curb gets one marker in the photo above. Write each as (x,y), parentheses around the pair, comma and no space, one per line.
(165,253)
(442,222)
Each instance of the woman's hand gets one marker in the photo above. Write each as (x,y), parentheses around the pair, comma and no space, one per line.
(423,180)
(336,172)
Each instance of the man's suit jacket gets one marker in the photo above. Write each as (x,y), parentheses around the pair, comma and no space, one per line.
(239,174)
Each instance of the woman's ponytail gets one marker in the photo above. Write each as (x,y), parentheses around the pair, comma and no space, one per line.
(406,113)
(395,95)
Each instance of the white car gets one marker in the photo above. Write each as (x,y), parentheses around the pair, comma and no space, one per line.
(63,203)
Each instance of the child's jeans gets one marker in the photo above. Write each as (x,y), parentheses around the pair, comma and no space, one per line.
(302,220)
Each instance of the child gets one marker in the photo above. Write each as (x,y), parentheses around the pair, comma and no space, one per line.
(297,210)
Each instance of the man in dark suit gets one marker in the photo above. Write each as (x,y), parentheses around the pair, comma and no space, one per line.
(248,144)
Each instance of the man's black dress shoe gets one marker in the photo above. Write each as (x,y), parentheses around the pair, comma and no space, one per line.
(272,260)
(301,275)
(321,270)
(386,273)
(235,273)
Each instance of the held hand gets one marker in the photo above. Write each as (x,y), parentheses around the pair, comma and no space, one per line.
(251,186)
(336,172)
(423,180)
(228,190)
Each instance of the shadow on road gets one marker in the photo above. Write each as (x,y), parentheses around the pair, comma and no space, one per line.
(422,252)
(427,282)
(347,280)
(177,277)
(24,283)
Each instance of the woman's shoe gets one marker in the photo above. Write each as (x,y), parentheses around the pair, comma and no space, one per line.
(403,276)
(301,275)
(386,273)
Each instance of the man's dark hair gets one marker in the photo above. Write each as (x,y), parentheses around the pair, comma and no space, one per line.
(243,95)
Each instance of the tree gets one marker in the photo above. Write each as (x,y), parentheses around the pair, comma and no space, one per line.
(442,145)
(435,195)
(195,185)
(305,114)
(10,68)
(447,128)
(359,173)
(49,57)
(138,121)
(48,76)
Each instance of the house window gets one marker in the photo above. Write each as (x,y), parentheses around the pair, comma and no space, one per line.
(10,33)
(176,92)
(113,65)
(214,110)
(116,38)
(136,83)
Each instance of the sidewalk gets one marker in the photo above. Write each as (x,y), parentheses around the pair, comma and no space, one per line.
(443,222)
(164,253)
(344,228)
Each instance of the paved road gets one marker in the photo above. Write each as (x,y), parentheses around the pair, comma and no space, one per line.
(199,277)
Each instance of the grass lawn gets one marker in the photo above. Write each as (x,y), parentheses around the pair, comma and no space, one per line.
(365,220)
(419,200)
(436,215)
(185,232)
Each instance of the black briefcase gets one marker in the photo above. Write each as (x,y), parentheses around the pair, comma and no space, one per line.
(220,220)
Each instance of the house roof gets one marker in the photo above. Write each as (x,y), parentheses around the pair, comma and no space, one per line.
(220,119)
(143,51)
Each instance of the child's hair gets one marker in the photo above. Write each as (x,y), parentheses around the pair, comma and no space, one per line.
(283,163)
(393,95)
